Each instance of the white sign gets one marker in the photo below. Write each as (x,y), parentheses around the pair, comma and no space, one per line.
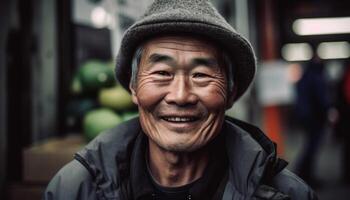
(274,86)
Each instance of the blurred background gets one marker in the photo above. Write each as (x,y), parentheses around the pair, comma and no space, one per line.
(57,86)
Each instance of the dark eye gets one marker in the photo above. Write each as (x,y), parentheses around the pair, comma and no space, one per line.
(162,73)
(200,75)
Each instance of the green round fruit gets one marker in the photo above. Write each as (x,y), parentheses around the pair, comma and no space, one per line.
(116,98)
(99,120)
(94,75)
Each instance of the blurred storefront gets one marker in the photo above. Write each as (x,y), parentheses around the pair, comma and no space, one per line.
(57,81)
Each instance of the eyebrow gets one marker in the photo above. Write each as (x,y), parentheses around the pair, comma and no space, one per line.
(154,58)
(208,62)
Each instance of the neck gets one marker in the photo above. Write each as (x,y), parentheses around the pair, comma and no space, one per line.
(173,169)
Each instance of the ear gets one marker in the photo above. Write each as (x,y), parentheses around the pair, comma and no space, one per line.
(231,97)
(133,94)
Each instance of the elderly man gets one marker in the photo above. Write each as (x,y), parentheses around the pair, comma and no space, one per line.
(184,66)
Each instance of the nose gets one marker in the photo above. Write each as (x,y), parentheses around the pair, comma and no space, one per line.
(181,92)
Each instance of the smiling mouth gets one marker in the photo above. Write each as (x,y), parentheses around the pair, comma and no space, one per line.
(180,119)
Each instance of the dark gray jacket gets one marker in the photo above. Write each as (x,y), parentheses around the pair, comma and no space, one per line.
(101,169)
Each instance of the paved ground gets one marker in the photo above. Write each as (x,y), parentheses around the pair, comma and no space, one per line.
(329,168)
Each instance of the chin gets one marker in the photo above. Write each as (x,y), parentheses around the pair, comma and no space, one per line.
(183,147)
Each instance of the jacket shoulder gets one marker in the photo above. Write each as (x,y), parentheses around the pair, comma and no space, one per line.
(289,183)
(73,181)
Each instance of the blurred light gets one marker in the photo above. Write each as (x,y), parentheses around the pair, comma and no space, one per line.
(322,26)
(297,52)
(295,72)
(100,18)
(333,50)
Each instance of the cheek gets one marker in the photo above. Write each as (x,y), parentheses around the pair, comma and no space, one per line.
(214,97)
(148,94)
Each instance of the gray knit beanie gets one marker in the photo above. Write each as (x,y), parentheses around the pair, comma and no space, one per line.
(194,17)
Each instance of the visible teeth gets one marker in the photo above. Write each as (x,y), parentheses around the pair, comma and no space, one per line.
(179,119)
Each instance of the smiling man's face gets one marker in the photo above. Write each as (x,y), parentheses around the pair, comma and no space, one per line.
(181,92)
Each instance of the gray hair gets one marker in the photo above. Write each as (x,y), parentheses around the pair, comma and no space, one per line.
(137,58)
(135,66)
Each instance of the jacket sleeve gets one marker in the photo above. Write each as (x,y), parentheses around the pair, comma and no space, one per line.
(72,182)
(290,184)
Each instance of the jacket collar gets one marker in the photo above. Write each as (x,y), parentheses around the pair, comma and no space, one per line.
(107,158)
(250,152)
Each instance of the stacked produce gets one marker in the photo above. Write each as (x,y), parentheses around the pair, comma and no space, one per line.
(99,102)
